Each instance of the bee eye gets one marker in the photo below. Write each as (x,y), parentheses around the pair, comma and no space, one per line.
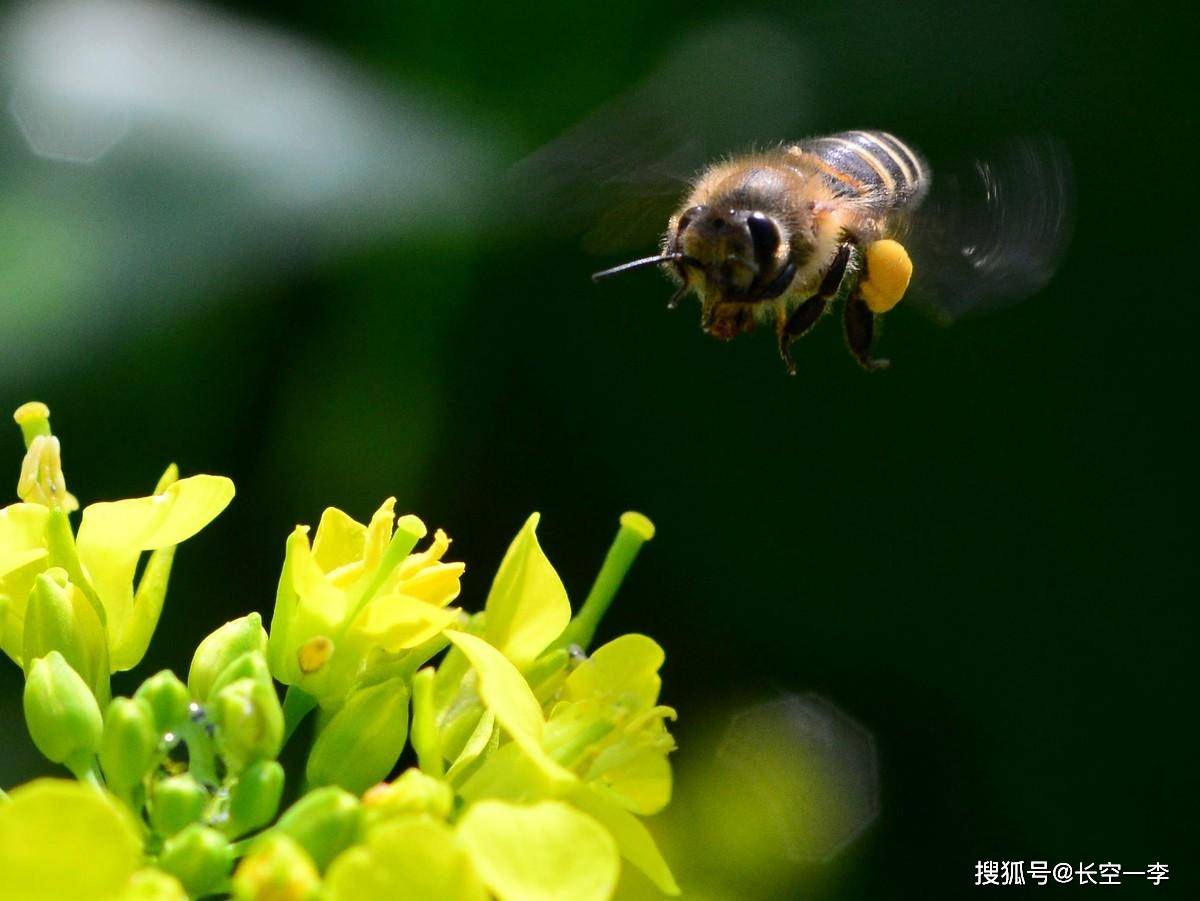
(765,236)
(686,219)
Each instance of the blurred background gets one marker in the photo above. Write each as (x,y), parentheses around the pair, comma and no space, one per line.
(272,247)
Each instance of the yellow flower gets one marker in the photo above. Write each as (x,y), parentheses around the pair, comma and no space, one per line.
(608,711)
(101,560)
(355,590)
(517,852)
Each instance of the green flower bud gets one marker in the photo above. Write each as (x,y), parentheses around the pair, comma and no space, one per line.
(176,803)
(59,617)
(250,665)
(324,823)
(254,798)
(249,721)
(168,698)
(61,712)
(413,792)
(278,869)
(149,884)
(221,648)
(362,741)
(129,746)
(199,857)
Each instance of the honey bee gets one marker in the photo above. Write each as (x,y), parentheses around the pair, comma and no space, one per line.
(778,237)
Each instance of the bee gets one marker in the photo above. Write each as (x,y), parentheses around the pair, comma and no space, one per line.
(777,237)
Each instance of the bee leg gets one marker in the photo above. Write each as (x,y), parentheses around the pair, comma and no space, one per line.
(798,324)
(859,323)
(837,280)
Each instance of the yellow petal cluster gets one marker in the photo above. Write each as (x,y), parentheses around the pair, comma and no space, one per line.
(357,589)
(100,561)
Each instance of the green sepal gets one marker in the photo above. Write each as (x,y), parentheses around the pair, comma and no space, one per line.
(324,823)
(222,648)
(254,798)
(176,803)
(61,713)
(199,857)
(250,665)
(363,740)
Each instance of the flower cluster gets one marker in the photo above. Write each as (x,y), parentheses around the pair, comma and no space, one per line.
(525,760)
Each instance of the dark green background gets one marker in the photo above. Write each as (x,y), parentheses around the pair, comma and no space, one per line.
(985,555)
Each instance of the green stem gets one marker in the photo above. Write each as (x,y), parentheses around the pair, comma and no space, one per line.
(297,704)
(635,531)
(202,759)
(425,739)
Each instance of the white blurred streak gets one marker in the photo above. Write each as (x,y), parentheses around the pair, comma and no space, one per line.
(214,149)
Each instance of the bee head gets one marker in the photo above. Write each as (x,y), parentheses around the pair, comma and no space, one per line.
(742,254)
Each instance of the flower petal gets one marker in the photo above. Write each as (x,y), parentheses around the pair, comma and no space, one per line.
(527,606)
(113,535)
(633,839)
(541,852)
(398,621)
(625,668)
(409,859)
(508,696)
(89,854)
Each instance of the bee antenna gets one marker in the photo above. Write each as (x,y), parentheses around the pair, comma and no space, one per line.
(645,261)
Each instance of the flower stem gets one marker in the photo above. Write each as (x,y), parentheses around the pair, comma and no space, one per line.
(425,739)
(635,531)
(297,704)
(202,763)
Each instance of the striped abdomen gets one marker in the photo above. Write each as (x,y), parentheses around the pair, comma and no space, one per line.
(870,164)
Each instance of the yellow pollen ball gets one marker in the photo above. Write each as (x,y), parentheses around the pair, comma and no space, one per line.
(314,654)
(888,272)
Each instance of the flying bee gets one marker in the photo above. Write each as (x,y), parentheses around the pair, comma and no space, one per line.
(780,236)
(776,237)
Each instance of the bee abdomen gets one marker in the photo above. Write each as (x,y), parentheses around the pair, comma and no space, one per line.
(871,164)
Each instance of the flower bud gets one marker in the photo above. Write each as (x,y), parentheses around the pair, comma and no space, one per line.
(324,823)
(278,869)
(413,792)
(362,741)
(176,803)
(168,698)
(61,712)
(199,857)
(221,648)
(250,665)
(149,884)
(250,722)
(129,746)
(254,798)
(59,617)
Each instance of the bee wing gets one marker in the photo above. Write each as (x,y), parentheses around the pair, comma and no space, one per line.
(616,176)
(993,231)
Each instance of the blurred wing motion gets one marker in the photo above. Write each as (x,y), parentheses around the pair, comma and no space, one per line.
(150,149)
(616,176)
(992,232)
